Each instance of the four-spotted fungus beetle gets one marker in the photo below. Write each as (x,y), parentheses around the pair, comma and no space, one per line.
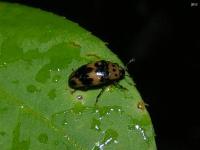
(96,75)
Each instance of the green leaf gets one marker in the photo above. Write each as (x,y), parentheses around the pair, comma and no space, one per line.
(38,51)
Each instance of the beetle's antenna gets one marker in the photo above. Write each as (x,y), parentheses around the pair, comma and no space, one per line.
(129,62)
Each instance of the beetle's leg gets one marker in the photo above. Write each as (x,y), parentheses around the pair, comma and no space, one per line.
(119,86)
(101,92)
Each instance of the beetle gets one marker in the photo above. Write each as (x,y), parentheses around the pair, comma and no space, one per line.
(94,75)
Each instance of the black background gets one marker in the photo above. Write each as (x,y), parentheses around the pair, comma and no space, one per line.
(164,39)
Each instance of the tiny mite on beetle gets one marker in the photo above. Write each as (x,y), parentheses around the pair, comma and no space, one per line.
(96,75)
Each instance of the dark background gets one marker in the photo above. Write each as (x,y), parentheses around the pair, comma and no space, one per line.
(164,39)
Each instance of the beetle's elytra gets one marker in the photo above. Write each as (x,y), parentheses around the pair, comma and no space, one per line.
(96,75)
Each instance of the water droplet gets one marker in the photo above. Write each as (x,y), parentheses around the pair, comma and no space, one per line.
(67,137)
(56,78)
(43,74)
(138,128)
(97,143)
(108,89)
(115,141)
(52,94)
(32,88)
(58,58)
(95,124)
(108,141)
(64,122)
(103,111)
(79,97)
(16,142)
(43,138)
(110,137)
(22,106)
(141,131)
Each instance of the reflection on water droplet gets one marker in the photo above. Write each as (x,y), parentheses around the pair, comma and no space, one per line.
(97,144)
(52,94)
(108,141)
(106,110)
(32,88)
(56,78)
(108,89)
(72,118)
(64,122)
(138,128)
(110,135)
(115,141)
(67,137)
(109,138)
(43,138)
(95,124)
(58,69)
(79,97)
(22,106)
(141,131)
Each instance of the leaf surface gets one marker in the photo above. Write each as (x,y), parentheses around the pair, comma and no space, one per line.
(38,51)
